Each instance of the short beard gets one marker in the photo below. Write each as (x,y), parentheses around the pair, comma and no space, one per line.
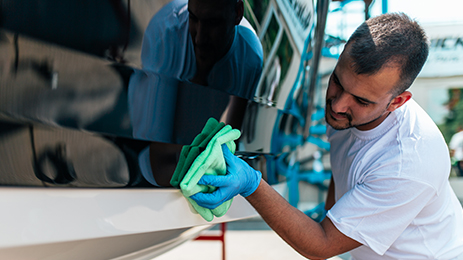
(327,114)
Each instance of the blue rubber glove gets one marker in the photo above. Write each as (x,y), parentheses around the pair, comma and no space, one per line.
(240,179)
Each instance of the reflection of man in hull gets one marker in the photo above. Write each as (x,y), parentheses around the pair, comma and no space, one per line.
(204,42)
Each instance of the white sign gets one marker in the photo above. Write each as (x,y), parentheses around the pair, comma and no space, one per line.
(445,53)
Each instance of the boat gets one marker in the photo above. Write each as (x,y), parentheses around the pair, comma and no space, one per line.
(71,186)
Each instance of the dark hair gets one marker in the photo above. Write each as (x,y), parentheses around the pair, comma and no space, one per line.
(393,40)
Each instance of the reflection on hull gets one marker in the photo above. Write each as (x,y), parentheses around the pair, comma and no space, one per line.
(77,107)
(139,246)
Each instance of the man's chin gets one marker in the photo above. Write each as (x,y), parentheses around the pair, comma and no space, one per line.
(339,128)
(336,124)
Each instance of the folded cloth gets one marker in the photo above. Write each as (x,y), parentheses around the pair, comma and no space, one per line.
(210,161)
(190,152)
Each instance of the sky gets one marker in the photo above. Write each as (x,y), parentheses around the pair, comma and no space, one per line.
(425,11)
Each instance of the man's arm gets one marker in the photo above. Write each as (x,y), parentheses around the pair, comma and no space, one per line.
(309,238)
(330,196)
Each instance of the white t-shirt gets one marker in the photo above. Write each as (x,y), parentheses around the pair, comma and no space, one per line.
(167,49)
(392,191)
(456,143)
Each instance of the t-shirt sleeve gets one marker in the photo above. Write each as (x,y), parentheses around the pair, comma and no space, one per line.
(376,211)
(251,59)
(165,46)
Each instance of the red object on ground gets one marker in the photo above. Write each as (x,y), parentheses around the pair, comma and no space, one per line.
(220,237)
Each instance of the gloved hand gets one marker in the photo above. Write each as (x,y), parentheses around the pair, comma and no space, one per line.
(240,179)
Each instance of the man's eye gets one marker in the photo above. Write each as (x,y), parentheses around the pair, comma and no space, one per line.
(335,82)
(362,103)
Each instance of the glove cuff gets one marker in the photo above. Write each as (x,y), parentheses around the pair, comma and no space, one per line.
(255,179)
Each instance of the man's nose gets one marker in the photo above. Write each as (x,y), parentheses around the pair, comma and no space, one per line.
(201,34)
(340,104)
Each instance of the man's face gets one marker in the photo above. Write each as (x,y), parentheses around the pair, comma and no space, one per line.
(361,101)
(212,28)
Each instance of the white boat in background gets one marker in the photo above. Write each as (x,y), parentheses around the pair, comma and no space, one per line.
(70,184)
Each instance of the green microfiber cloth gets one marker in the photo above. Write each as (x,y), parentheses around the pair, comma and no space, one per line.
(210,161)
(190,152)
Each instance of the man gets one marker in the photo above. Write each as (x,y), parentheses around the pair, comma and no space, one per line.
(206,42)
(456,150)
(197,42)
(389,197)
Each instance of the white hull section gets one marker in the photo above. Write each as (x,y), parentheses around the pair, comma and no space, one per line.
(54,223)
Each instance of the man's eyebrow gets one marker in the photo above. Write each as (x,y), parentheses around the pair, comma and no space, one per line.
(336,80)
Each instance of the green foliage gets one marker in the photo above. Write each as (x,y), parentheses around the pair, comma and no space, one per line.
(258,7)
(285,53)
(454,120)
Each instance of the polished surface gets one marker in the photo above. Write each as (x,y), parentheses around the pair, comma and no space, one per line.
(53,215)
(80,98)
(85,86)
(100,223)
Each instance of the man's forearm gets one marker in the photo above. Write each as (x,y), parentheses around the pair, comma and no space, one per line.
(311,239)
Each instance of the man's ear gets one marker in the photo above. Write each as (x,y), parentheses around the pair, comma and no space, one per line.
(239,11)
(399,100)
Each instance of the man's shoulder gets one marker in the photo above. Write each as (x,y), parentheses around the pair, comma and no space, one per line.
(166,36)
(412,116)
(248,35)
(249,41)
(173,15)
(416,133)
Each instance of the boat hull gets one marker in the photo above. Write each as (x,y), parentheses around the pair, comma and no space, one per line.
(57,223)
